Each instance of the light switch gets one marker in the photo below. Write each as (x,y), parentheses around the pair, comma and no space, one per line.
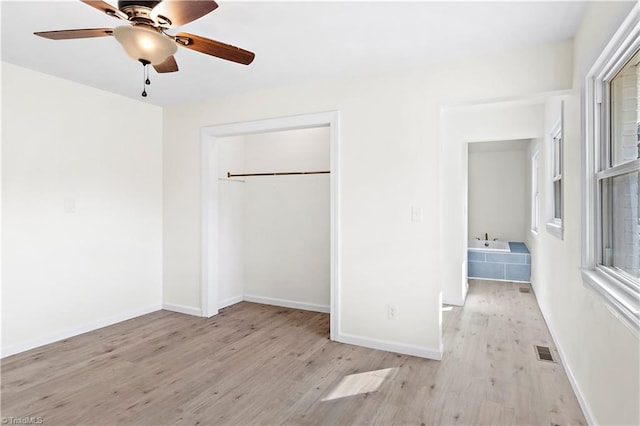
(69,205)
(416,214)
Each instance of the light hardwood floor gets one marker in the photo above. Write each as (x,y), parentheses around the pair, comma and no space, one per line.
(258,364)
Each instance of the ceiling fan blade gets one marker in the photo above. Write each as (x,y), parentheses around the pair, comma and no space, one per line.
(169,65)
(106,8)
(70,34)
(215,48)
(181,12)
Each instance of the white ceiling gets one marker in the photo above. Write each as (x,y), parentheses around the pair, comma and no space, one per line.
(493,146)
(293,41)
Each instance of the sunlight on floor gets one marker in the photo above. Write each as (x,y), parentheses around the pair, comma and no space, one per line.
(356,384)
(447,308)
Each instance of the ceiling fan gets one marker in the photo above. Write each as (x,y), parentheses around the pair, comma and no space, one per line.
(145,39)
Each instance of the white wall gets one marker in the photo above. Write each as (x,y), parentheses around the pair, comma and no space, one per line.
(287,239)
(602,354)
(291,150)
(390,158)
(496,191)
(82,208)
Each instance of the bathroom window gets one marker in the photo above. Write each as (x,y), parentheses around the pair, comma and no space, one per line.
(611,255)
(554,224)
(534,192)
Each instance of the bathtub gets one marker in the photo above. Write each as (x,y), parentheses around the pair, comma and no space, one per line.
(512,263)
(489,246)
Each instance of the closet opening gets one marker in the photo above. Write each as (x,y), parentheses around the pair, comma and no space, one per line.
(270,214)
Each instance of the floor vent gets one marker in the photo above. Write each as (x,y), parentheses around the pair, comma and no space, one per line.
(544,353)
(524,289)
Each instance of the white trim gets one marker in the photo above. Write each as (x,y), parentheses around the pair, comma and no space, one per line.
(586,409)
(620,303)
(555,228)
(441,310)
(209,221)
(612,290)
(588,180)
(334,128)
(209,280)
(230,301)
(181,309)
(613,56)
(503,281)
(465,271)
(619,170)
(455,302)
(286,303)
(535,192)
(75,331)
(554,225)
(399,348)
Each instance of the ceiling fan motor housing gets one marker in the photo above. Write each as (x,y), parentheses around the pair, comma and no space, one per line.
(140,11)
(144,3)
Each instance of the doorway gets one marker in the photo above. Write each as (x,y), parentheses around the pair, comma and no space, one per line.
(212,148)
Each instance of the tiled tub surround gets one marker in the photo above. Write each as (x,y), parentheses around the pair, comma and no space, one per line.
(513,266)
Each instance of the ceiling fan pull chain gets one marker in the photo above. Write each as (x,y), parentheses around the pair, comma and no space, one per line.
(145,76)
(144,84)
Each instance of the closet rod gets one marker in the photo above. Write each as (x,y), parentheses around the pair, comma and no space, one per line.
(229,175)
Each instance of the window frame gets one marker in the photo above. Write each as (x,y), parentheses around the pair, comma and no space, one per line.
(620,293)
(555,225)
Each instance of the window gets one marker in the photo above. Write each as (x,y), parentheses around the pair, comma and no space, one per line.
(619,174)
(534,192)
(554,224)
(611,253)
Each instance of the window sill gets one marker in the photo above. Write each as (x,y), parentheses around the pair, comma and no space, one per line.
(619,301)
(555,229)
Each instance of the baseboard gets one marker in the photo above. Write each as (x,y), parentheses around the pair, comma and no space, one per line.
(401,348)
(94,325)
(454,302)
(249,298)
(503,281)
(230,301)
(287,303)
(574,385)
(181,309)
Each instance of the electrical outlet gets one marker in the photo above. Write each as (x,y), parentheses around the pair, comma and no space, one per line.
(391,312)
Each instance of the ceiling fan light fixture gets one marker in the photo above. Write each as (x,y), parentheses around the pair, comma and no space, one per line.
(145,43)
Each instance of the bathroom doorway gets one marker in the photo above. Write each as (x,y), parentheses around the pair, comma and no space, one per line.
(497,219)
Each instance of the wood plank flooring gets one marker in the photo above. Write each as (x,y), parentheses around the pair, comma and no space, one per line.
(264,365)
